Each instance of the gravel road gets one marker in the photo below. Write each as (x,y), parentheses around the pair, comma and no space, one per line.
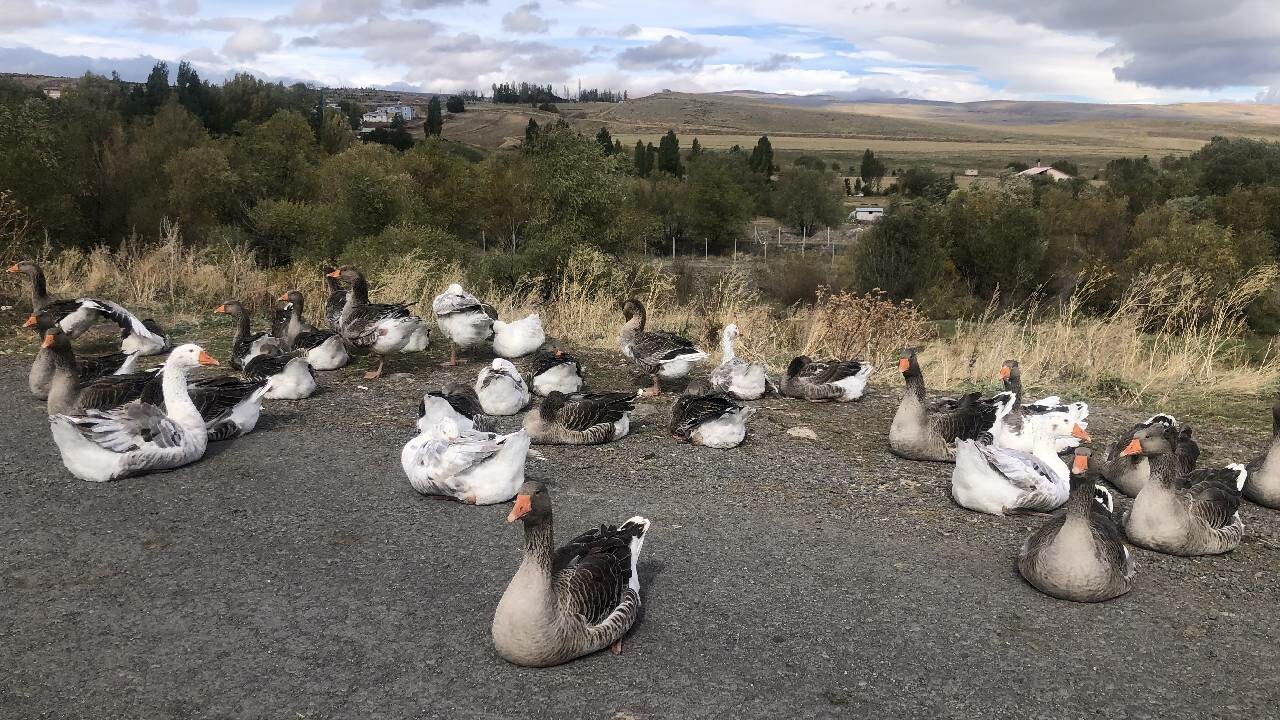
(294,573)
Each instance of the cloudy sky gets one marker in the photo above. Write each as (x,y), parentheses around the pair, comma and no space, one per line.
(1095,50)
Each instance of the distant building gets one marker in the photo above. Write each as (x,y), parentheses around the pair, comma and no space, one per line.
(867,214)
(386,114)
(971,173)
(52,92)
(1045,171)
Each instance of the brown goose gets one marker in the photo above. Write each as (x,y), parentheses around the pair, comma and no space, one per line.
(711,419)
(1179,513)
(566,602)
(1080,555)
(383,328)
(245,344)
(920,432)
(580,418)
(1129,473)
(657,354)
(1263,485)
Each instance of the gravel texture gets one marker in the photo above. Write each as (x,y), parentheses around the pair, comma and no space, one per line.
(294,573)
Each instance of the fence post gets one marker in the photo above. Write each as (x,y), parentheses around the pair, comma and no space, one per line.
(735,248)
(706,249)
(673,247)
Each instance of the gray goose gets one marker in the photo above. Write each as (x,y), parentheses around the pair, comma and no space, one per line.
(88,369)
(1263,485)
(567,602)
(1080,555)
(245,344)
(1129,473)
(334,301)
(657,354)
(710,419)
(324,349)
(1179,513)
(383,328)
(825,380)
(580,418)
(921,432)
(68,393)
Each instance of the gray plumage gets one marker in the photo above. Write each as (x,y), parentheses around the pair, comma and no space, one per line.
(919,432)
(580,418)
(1263,485)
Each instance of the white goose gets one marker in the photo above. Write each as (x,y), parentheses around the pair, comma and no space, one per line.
(735,376)
(518,337)
(138,437)
(478,468)
(463,318)
(501,389)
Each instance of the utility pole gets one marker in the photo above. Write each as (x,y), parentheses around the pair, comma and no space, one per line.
(804,238)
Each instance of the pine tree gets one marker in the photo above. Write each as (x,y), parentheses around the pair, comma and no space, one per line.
(650,158)
(638,158)
(761,160)
(605,139)
(435,118)
(669,154)
(531,132)
(617,147)
(455,104)
(695,149)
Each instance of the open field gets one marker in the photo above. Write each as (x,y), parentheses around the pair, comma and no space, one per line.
(294,573)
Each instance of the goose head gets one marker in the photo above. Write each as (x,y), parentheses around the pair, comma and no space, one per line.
(349,274)
(731,332)
(1011,375)
(1155,439)
(229,307)
(533,504)
(908,365)
(454,289)
(633,310)
(797,364)
(26,267)
(1060,424)
(189,356)
(293,297)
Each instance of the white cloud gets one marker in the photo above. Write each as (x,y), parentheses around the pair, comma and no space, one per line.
(250,41)
(526,20)
(27,13)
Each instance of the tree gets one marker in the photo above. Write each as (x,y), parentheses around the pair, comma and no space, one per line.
(669,154)
(1067,167)
(806,200)
(857,185)
(650,158)
(848,187)
(335,133)
(872,169)
(762,157)
(1134,179)
(396,134)
(455,104)
(531,132)
(695,149)
(435,118)
(156,89)
(354,112)
(605,140)
(715,206)
(617,147)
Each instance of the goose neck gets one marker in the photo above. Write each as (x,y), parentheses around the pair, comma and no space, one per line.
(539,542)
(1164,467)
(177,399)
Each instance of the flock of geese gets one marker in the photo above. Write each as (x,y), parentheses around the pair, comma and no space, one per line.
(111,420)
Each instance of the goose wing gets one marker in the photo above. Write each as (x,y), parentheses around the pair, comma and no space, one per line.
(653,348)
(448,303)
(1213,494)
(591,572)
(544,360)
(583,410)
(970,419)
(128,322)
(690,411)
(263,367)
(114,390)
(1022,469)
(447,457)
(216,395)
(90,368)
(311,340)
(129,427)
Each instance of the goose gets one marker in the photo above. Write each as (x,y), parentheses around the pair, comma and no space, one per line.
(567,602)
(464,319)
(919,432)
(519,337)
(826,380)
(456,402)
(1263,486)
(246,345)
(137,437)
(711,419)
(69,393)
(580,418)
(324,349)
(75,317)
(1080,555)
(501,389)
(383,328)
(1129,473)
(658,354)
(287,378)
(1001,481)
(229,406)
(1177,513)
(335,301)
(555,370)
(88,369)
(1011,377)
(478,468)
(736,377)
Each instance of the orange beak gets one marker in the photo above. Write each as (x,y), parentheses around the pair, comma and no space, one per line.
(523,506)
(1133,448)
(284,297)
(207,359)
(334,274)
(13,268)
(559,353)
(1004,373)
(31,321)
(903,365)
(1080,465)
(47,342)
(1079,432)
(220,309)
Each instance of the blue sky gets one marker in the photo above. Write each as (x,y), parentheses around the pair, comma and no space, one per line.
(958,50)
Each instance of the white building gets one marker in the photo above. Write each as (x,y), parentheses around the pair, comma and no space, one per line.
(866,214)
(386,114)
(1046,171)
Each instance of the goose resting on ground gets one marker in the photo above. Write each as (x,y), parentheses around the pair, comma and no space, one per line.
(456,402)
(919,432)
(88,369)
(383,328)
(246,345)
(567,602)
(324,349)
(580,418)
(826,380)
(75,317)
(138,437)
(1129,473)
(1177,513)
(657,354)
(68,393)
(478,468)
(501,389)
(711,419)
(1080,555)
(519,337)
(229,406)
(738,378)
(464,319)
(554,370)
(1263,485)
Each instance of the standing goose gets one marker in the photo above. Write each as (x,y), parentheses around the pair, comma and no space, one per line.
(1263,485)
(658,354)
(1129,473)
(68,393)
(456,402)
(580,418)
(707,418)
(382,328)
(138,437)
(740,379)
(464,319)
(1179,513)
(501,389)
(519,337)
(88,369)
(246,345)
(324,349)
(478,468)
(420,334)
(229,406)
(567,602)
(554,370)
(828,380)
(77,316)
(1080,555)
(335,301)
(919,432)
